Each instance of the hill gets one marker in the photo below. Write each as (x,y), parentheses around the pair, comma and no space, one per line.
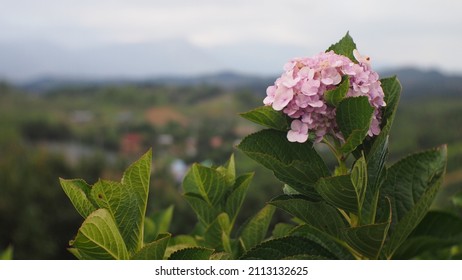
(416,82)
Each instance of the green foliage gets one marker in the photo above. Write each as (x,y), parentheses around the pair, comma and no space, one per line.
(354,118)
(319,214)
(392,89)
(359,181)
(211,191)
(266,116)
(345,47)
(78,192)
(159,223)
(408,187)
(298,165)
(196,253)
(216,195)
(254,232)
(367,240)
(334,96)
(334,245)
(339,192)
(412,184)
(99,238)
(115,230)
(290,247)
(376,173)
(437,231)
(154,250)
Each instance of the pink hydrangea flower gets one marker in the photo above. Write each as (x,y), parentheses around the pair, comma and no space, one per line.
(298,132)
(299,93)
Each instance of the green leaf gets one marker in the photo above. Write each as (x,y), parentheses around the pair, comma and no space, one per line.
(411,185)
(376,174)
(205,212)
(392,91)
(78,192)
(281,230)
(127,201)
(289,190)
(268,117)
(99,238)
(207,182)
(439,224)
(438,230)
(154,250)
(317,214)
(150,230)
(158,223)
(334,245)
(180,242)
(334,96)
(354,115)
(163,219)
(119,201)
(188,240)
(377,155)
(367,239)
(76,253)
(229,170)
(295,164)
(196,253)
(338,191)
(345,47)
(136,180)
(236,197)
(221,256)
(286,248)
(359,181)
(255,230)
(217,233)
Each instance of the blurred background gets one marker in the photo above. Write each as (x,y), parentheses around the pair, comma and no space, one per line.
(86,87)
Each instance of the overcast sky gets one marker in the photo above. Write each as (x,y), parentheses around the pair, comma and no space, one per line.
(425,33)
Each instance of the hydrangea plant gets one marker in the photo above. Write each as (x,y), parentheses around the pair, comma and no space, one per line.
(362,208)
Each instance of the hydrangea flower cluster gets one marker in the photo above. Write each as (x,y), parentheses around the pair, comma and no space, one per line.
(299,93)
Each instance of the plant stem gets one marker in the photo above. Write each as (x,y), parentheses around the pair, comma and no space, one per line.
(338,155)
(341,158)
(345,215)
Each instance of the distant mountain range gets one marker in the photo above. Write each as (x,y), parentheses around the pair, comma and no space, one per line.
(26,61)
(227,79)
(23,62)
(415,82)
(40,66)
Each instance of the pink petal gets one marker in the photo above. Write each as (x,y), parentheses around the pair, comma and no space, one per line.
(282,98)
(295,136)
(268,100)
(270,92)
(327,81)
(296,125)
(316,104)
